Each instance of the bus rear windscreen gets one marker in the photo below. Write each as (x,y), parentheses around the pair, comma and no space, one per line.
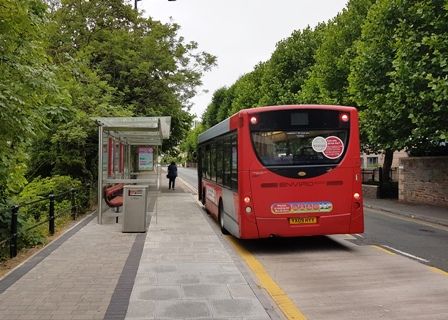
(291,137)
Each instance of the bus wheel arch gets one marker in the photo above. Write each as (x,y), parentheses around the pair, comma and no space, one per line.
(221,217)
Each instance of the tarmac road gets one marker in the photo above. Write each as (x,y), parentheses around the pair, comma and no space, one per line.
(417,240)
(347,277)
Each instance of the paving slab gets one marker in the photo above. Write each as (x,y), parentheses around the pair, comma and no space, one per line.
(186,272)
(74,280)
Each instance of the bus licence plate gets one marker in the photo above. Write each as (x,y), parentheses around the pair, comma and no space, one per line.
(303,220)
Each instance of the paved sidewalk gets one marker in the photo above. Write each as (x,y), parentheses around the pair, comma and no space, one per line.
(75,280)
(433,214)
(186,272)
(179,269)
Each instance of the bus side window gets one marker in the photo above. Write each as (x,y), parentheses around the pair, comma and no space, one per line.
(206,165)
(227,162)
(234,173)
(213,162)
(219,162)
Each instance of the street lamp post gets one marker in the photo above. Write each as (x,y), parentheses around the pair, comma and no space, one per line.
(135,4)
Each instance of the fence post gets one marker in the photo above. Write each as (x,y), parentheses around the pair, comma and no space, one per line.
(51,215)
(73,199)
(13,241)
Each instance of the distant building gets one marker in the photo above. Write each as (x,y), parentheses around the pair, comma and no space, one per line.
(371,161)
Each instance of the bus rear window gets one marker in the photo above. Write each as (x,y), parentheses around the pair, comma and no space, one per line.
(305,137)
(275,148)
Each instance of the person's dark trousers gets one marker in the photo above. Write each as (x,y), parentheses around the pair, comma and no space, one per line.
(172,183)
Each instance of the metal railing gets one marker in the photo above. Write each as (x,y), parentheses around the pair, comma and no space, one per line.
(376,174)
(71,195)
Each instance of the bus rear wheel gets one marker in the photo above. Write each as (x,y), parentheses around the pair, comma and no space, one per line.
(221,218)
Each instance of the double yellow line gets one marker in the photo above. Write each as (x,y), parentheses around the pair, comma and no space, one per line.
(286,305)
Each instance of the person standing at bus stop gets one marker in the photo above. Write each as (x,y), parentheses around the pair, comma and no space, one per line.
(172,174)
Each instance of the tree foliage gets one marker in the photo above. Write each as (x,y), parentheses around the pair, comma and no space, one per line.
(26,84)
(152,70)
(399,75)
(386,57)
(327,82)
(64,62)
(190,143)
(289,65)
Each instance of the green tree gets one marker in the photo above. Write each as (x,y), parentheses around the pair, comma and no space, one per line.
(210,116)
(224,110)
(190,143)
(288,67)
(152,70)
(397,76)
(383,121)
(27,83)
(112,62)
(328,80)
(69,146)
(248,89)
(420,73)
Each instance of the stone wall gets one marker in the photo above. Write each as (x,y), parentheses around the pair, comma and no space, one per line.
(424,180)
(369,191)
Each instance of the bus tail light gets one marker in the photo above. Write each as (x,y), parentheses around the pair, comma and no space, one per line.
(357,202)
(247,201)
(345,117)
(253,120)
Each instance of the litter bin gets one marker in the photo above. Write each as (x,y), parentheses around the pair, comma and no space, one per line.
(134,208)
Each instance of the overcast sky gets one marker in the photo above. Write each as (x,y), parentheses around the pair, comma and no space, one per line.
(240,33)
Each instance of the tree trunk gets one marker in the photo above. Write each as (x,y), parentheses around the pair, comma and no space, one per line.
(388,158)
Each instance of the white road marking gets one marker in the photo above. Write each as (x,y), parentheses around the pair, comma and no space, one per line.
(406,254)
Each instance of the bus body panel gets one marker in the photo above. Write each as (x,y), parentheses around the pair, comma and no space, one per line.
(230,200)
(230,206)
(248,228)
(212,195)
(280,227)
(270,193)
(357,218)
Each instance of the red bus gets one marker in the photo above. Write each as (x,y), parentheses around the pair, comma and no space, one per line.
(283,171)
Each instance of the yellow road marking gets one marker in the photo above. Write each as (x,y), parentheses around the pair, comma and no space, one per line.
(384,250)
(437,270)
(286,305)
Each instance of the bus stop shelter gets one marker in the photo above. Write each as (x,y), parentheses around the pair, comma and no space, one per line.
(128,152)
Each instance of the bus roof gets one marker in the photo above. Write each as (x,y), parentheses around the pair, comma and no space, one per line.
(224,126)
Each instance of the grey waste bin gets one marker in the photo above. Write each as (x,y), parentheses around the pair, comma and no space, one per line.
(134,208)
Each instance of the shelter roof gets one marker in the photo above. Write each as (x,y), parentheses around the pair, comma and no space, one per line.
(137,130)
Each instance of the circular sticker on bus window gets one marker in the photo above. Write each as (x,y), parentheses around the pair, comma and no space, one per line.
(335,147)
(319,144)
